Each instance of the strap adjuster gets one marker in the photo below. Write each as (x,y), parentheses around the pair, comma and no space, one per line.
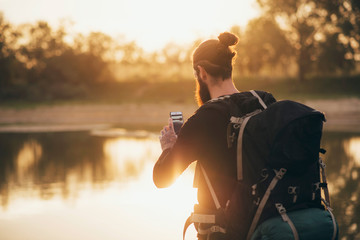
(280,174)
(217,228)
(293,190)
(316,186)
(280,208)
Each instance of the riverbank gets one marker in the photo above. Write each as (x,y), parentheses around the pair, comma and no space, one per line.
(342,115)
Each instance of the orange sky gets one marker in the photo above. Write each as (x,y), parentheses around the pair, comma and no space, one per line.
(151,23)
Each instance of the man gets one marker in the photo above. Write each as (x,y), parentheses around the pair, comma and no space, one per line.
(203,137)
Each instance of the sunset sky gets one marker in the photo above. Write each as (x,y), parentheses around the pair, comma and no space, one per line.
(151,23)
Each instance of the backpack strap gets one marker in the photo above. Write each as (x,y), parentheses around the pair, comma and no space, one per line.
(242,121)
(211,189)
(259,98)
(323,176)
(278,176)
(326,201)
(205,218)
(282,211)
(329,209)
(210,230)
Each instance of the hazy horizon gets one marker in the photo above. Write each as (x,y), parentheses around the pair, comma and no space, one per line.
(151,24)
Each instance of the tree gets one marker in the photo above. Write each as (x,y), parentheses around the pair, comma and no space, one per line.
(12,72)
(310,25)
(131,52)
(344,15)
(6,54)
(263,44)
(332,56)
(42,42)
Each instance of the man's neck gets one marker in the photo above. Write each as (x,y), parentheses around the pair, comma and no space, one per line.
(222,88)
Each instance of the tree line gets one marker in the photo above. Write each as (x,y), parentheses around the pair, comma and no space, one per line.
(290,39)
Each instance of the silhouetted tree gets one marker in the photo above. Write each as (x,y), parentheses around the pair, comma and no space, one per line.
(12,72)
(308,24)
(262,44)
(342,44)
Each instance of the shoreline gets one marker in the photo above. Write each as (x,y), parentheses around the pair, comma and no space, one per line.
(341,114)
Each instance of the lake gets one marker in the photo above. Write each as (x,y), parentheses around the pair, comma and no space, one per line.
(98,185)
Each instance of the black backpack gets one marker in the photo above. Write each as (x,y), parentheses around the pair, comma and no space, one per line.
(278,167)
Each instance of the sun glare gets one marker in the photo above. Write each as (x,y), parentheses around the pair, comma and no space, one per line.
(123,207)
(27,157)
(168,207)
(152,24)
(132,156)
(128,155)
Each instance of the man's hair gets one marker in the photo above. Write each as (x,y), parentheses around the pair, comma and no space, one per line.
(216,56)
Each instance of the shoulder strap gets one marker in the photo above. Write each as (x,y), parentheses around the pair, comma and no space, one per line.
(211,189)
(243,121)
(259,98)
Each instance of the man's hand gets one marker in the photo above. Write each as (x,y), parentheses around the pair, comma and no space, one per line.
(167,136)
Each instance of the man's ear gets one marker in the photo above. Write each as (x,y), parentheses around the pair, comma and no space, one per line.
(203,74)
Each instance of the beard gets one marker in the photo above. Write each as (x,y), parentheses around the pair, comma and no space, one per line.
(202,93)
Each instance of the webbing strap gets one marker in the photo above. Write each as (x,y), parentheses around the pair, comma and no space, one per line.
(206,219)
(187,224)
(329,209)
(285,217)
(203,218)
(323,176)
(211,189)
(279,175)
(327,197)
(210,230)
(259,98)
(334,223)
(239,164)
(243,121)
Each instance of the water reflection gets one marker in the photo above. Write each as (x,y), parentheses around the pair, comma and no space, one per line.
(128,155)
(87,186)
(99,186)
(43,163)
(343,169)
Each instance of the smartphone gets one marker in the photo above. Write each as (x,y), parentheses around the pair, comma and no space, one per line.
(177,118)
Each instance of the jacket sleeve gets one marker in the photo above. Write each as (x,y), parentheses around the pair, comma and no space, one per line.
(191,145)
(168,168)
(172,162)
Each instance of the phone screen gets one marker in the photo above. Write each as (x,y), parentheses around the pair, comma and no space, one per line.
(178,121)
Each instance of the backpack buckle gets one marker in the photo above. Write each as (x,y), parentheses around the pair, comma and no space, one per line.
(293,190)
(316,187)
(280,174)
(280,208)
